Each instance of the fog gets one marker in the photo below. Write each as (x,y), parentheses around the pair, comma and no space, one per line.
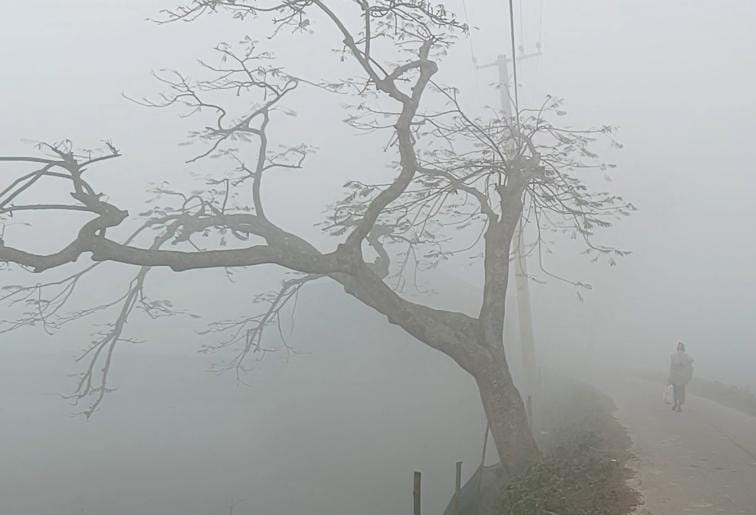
(339,425)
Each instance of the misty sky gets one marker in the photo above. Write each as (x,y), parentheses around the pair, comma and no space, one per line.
(677,77)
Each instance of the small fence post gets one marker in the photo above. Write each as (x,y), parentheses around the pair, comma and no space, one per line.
(416,493)
(458,488)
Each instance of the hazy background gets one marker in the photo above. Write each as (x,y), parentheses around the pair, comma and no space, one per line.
(354,416)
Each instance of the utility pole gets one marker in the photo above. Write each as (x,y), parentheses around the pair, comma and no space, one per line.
(522,286)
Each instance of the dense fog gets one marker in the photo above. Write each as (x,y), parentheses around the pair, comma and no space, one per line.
(338,425)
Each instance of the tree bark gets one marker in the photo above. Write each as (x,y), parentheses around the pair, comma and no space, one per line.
(464,340)
(506,413)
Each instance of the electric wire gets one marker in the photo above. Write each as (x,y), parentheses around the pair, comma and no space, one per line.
(514,63)
(539,43)
(522,30)
(471,44)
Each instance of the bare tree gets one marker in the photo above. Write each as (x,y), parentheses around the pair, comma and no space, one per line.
(454,172)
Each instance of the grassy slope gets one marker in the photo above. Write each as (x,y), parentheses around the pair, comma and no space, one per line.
(585,450)
(735,397)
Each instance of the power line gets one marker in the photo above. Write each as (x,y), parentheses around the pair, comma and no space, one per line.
(514,62)
(539,43)
(472,47)
(469,29)
(522,30)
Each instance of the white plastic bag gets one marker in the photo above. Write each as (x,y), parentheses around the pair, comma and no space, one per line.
(668,394)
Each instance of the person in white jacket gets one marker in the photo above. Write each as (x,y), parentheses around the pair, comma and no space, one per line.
(680,374)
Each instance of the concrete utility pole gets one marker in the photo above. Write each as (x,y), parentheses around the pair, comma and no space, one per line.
(522,286)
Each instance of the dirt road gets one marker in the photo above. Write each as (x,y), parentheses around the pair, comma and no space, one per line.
(698,462)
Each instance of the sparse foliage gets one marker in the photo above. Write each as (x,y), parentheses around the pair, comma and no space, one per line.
(462,184)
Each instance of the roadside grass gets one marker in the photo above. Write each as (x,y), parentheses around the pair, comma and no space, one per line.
(583,471)
(735,397)
(738,398)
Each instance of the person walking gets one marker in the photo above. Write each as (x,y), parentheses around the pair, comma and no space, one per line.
(680,374)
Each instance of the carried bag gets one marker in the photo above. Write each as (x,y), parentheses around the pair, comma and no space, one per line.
(668,394)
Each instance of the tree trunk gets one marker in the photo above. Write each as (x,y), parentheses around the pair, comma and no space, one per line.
(462,339)
(506,414)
